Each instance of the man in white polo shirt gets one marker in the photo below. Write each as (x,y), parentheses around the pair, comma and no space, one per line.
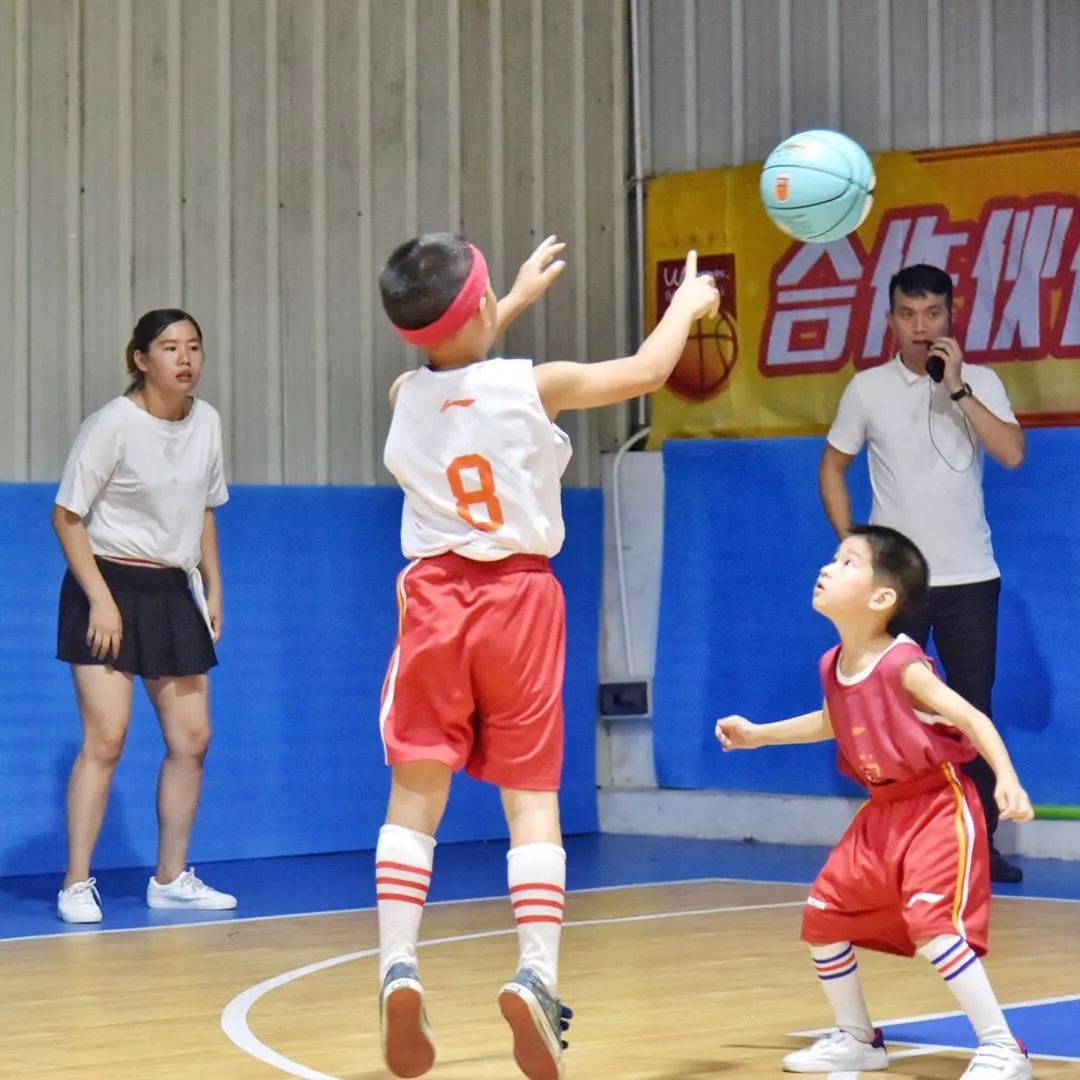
(928,419)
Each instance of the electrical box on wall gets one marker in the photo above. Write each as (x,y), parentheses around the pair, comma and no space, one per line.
(625,699)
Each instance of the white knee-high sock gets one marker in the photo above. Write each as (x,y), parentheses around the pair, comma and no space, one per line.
(403,861)
(838,971)
(962,970)
(537,876)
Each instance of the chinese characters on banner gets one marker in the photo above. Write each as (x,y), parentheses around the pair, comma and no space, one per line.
(798,320)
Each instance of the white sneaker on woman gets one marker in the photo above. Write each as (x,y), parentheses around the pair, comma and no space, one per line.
(187,891)
(80,903)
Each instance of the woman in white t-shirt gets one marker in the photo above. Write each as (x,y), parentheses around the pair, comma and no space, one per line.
(134,516)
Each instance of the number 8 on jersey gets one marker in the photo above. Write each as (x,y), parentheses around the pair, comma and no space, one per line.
(477,470)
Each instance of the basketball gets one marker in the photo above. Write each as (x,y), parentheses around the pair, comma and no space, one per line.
(818,186)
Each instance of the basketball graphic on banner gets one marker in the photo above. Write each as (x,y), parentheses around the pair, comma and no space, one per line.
(711,350)
(705,365)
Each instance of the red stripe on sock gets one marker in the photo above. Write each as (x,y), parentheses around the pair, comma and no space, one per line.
(829,975)
(399,896)
(523,919)
(422,886)
(956,961)
(403,866)
(834,959)
(539,903)
(837,966)
(538,885)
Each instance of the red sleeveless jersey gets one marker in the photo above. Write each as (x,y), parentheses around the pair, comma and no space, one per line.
(879,736)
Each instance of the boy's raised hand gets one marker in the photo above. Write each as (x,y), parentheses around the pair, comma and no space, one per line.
(736,733)
(1012,800)
(697,291)
(539,270)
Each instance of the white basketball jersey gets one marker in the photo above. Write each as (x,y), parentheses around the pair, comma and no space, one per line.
(479,461)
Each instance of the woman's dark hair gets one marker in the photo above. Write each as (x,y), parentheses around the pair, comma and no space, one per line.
(150,326)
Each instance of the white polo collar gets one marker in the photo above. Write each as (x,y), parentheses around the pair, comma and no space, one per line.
(910,377)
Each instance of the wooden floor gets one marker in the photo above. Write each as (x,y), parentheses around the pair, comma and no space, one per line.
(668,982)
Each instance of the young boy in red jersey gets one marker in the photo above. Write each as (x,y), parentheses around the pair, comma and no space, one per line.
(912,871)
(475,681)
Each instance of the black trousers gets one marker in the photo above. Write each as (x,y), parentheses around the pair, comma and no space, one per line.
(963,619)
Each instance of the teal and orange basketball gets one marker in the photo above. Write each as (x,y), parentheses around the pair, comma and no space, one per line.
(818,186)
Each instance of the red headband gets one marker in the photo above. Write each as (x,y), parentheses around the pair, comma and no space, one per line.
(458,313)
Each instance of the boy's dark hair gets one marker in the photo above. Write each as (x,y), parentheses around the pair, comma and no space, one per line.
(919,280)
(898,563)
(423,277)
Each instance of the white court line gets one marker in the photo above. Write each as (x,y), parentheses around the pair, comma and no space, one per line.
(237,919)
(234,1018)
(921,1050)
(72,933)
(900,1055)
(1064,999)
(926,1048)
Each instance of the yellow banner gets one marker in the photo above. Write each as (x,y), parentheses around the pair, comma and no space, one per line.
(799,319)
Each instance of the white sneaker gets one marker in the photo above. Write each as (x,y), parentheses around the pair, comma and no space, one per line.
(999,1061)
(187,891)
(839,1051)
(81,903)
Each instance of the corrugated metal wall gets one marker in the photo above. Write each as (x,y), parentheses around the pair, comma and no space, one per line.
(254,161)
(726,80)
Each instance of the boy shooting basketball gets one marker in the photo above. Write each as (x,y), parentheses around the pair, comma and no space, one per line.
(912,871)
(475,681)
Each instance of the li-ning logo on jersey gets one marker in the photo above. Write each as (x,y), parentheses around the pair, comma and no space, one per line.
(926,898)
(463,403)
(813,901)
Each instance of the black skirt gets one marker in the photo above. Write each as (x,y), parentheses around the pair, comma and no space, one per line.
(164,632)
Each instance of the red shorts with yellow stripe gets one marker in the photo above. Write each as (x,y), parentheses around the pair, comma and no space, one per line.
(477,675)
(912,865)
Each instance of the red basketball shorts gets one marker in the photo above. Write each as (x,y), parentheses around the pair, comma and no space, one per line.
(912,865)
(476,678)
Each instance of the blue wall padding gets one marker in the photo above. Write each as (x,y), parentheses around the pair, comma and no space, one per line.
(296,763)
(744,536)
